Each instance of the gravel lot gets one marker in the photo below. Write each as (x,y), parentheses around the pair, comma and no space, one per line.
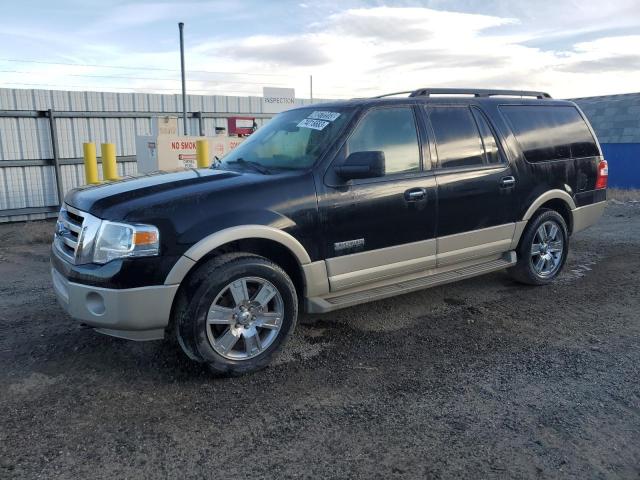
(480,379)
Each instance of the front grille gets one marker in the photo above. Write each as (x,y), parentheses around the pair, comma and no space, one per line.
(68,232)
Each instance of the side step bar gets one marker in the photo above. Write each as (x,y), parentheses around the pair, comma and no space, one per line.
(400,286)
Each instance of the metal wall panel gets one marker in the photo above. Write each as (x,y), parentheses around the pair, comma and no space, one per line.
(233,104)
(15,187)
(110,101)
(169,103)
(78,101)
(66,147)
(140,102)
(10,139)
(220,104)
(154,101)
(41,99)
(4,190)
(7,99)
(23,99)
(44,138)
(97,130)
(94,102)
(112,126)
(60,100)
(125,102)
(28,130)
(194,103)
(143,126)
(128,136)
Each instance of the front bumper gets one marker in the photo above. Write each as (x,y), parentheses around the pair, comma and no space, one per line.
(132,313)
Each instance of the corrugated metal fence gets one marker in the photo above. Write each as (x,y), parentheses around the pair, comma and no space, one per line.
(42,132)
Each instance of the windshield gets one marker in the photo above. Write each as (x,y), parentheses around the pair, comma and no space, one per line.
(291,140)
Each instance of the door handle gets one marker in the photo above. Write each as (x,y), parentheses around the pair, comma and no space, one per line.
(415,194)
(506,182)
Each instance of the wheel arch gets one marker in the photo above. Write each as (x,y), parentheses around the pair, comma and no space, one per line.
(557,200)
(259,239)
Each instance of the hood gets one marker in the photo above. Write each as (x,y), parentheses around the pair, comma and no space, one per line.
(117,200)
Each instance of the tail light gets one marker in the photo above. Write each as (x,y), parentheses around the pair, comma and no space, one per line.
(603,174)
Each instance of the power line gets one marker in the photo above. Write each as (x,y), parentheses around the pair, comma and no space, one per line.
(89,87)
(127,77)
(141,68)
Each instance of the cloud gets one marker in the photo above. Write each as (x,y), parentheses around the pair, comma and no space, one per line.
(619,63)
(300,51)
(405,24)
(440,58)
(572,49)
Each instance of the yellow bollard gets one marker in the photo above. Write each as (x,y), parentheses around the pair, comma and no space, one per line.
(202,153)
(90,163)
(109,168)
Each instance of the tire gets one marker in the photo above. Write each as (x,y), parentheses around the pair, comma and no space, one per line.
(544,266)
(235,313)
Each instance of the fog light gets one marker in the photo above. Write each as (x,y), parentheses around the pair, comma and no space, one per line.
(95,303)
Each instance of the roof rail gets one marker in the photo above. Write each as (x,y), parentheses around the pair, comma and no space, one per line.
(394,93)
(476,92)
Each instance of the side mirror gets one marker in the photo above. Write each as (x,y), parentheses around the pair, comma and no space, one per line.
(362,165)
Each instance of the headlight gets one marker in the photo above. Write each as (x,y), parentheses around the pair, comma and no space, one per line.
(119,240)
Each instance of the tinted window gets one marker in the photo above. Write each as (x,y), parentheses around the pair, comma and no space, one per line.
(457,139)
(491,153)
(392,131)
(550,132)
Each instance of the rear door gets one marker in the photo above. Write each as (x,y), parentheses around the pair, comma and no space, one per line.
(476,185)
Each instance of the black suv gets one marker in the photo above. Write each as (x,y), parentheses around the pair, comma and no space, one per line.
(328,206)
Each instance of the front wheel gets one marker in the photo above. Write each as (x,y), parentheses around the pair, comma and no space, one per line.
(543,249)
(236,313)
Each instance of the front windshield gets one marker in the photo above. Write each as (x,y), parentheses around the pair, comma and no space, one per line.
(291,140)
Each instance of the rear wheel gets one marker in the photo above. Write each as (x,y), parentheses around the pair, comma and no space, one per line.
(543,249)
(236,313)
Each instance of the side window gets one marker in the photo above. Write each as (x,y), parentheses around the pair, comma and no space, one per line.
(491,153)
(547,132)
(392,131)
(458,141)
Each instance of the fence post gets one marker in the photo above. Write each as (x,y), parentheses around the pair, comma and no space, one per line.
(202,153)
(54,151)
(109,166)
(90,163)
(198,115)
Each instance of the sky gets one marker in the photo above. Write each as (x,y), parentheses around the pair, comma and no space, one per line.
(351,48)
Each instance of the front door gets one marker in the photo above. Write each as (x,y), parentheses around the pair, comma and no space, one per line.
(381,227)
(476,210)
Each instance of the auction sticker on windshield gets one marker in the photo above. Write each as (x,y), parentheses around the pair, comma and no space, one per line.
(322,115)
(314,124)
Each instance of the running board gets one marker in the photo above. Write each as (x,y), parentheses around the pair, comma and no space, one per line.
(399,286)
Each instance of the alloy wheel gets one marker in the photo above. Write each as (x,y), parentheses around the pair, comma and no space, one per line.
(547,249)
(245,318)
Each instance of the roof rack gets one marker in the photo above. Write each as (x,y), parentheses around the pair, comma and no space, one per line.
(476,92)
(395,93)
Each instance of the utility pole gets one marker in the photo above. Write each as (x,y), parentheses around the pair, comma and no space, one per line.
(311,87)
(184,85)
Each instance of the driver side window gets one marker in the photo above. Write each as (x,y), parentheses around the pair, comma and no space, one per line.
(392,131)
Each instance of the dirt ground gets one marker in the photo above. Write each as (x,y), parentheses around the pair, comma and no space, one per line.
(479,379)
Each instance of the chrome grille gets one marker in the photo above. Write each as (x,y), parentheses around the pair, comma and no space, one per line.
(75,233)
(68,231)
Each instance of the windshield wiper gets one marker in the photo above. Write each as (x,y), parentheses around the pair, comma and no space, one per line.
(255,165)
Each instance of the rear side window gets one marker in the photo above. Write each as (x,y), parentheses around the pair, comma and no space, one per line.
(550,132)
(491,152)
(458,141)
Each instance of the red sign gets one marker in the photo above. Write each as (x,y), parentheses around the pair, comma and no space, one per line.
(183,145)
